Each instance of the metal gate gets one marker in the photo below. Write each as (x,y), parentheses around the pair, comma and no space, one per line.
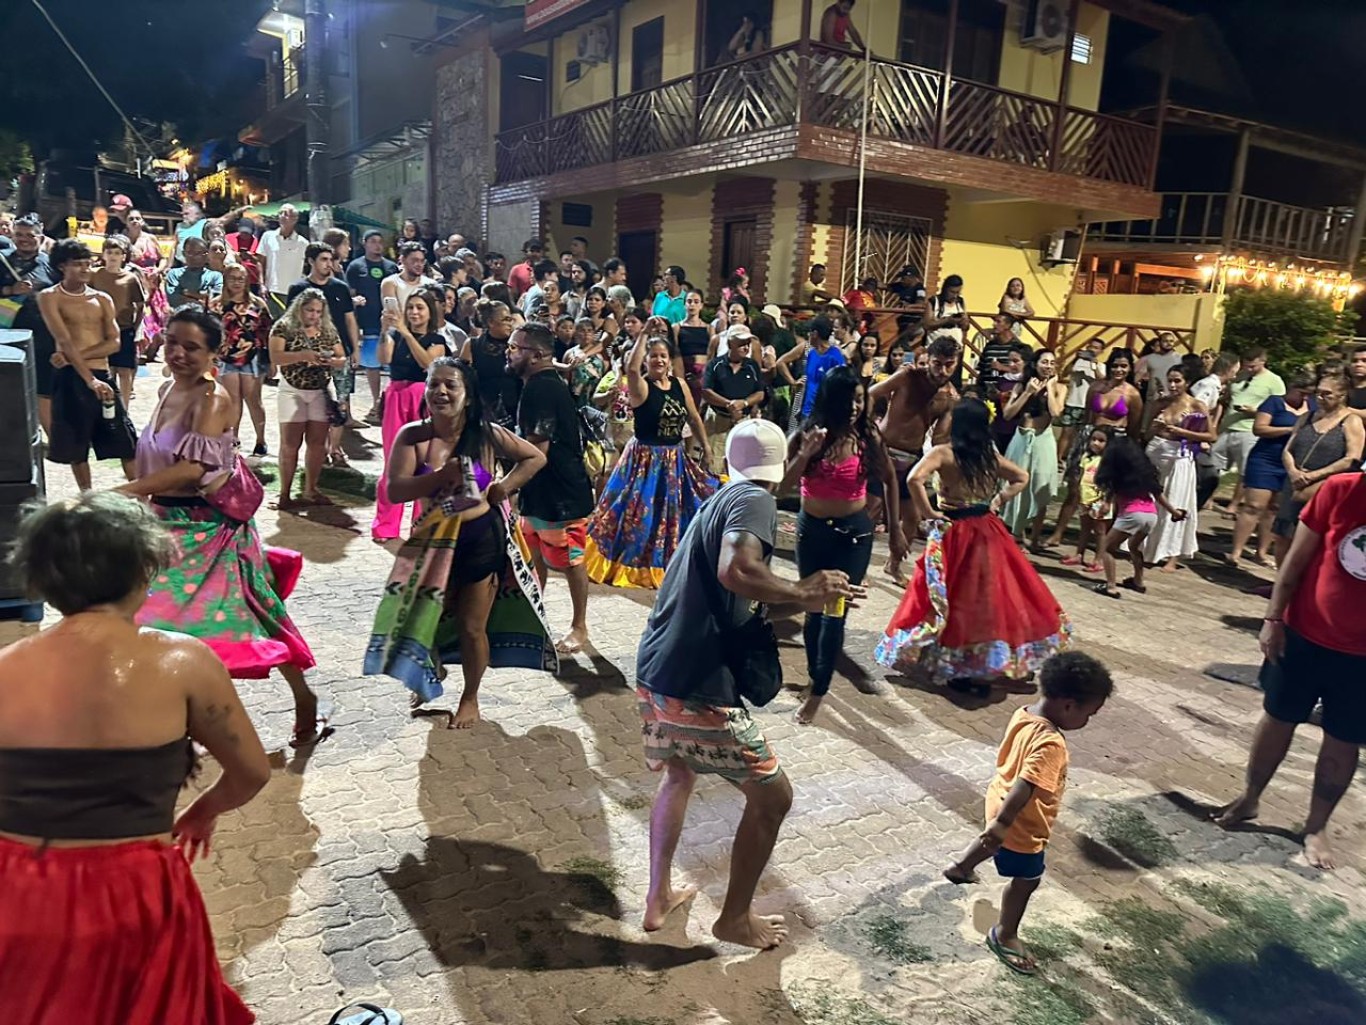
(890,242)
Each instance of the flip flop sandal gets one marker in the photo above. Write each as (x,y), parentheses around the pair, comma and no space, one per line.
(1092,567)
(1104,589)
(1071,560)
(369,1014)
(1018,962)
(322,729)
(1130,585)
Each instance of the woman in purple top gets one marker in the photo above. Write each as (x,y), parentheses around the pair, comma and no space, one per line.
(226,589)
(461,590)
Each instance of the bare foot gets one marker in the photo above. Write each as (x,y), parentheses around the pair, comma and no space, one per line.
(1169,567)
(572,642)
(763,932)
(467,713)
(286,504)
(318,498)
(1318,852)
(1241,810)
(893,570)
(657,909)
(806,715)
(960,876)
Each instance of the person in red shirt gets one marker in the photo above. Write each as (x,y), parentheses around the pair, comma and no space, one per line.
(1314,640)
(521,277)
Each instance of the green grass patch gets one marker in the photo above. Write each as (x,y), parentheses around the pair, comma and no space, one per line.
(829,1007)
(889,936)
(1050,1002)
(635,802)
(1129,832)
(1050,942)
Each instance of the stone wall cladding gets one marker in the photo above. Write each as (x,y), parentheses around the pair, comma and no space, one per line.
(741,199)
(805,238)
(462,148)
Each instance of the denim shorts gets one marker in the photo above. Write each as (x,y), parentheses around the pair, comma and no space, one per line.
(249,368)
(369,353)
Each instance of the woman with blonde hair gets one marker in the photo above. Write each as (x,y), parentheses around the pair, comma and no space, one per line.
(305,345)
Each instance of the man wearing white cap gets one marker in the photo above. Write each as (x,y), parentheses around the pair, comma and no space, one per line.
(706,647)
(732,387)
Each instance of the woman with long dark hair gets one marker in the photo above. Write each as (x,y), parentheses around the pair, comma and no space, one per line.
(460,590)
(692,341)
(487,351)
(834,454)
(409,345)
(1180,426)
(1113,403)
(976,612)
(1036,401)
(225,587)
(655,489)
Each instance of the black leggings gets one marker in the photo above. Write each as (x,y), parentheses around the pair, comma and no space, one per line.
(844,543)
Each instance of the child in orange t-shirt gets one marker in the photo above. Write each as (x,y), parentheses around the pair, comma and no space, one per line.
(1026,792)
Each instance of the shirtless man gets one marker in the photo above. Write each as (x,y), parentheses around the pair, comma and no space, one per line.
(918,400)
(87,410)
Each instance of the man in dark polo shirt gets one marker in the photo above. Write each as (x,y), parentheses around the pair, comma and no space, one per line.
(733,387)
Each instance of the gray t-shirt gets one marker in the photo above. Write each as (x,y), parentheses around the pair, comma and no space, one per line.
(1158,364)
(680,651)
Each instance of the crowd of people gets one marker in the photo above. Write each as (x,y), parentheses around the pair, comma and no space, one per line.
(537,417)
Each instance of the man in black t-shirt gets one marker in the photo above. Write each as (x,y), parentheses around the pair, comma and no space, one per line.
(693,718)
(556,503)
(320,265)
(364,275)
(1356,372)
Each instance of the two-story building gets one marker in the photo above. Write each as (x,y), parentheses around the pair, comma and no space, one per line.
(716,134)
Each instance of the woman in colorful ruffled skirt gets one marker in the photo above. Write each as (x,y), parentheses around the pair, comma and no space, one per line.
(656,488)
(462,590)
(226,588)
(976,611)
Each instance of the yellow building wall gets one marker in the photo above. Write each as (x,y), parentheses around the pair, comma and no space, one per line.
(594,84)
(1024,70)
(783,257)
(685,234)
(786,26)
(987,244)
(601,235)
(680,37)
(1205,313)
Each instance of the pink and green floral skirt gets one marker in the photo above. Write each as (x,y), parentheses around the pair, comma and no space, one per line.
(228,591)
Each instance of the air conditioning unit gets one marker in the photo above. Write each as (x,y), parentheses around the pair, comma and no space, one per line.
(1061,246)
(1045,25)
(595,44)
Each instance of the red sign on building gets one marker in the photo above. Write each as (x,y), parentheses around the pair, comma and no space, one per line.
(538,12)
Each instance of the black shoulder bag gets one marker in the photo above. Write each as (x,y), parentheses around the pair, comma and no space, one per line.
(750,653)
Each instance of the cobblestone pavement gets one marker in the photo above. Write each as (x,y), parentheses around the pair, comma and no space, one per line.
(497,875)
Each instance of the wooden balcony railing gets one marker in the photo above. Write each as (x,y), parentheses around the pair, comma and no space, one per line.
(810,84)
(1262,225)
(1065,336)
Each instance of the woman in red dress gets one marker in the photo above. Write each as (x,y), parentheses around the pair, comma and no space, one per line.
(101,921)
(976,612)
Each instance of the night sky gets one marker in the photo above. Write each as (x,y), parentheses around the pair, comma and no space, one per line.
(1300,64)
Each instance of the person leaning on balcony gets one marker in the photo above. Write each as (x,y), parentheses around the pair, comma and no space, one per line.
(1015,305)
(748,39)
(813,288)
(837,27)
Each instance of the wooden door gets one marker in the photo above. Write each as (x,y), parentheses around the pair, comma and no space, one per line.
(639,251)
(737,246)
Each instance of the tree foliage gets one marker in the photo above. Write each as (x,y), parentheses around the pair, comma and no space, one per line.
(1294,329)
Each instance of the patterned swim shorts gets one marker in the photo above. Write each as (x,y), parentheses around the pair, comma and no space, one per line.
(707,738)
(561,544)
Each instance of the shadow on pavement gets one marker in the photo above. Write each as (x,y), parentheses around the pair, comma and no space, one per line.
(492,905)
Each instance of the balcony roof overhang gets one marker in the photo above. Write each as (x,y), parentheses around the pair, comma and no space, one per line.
(808,152)
(1263,135)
